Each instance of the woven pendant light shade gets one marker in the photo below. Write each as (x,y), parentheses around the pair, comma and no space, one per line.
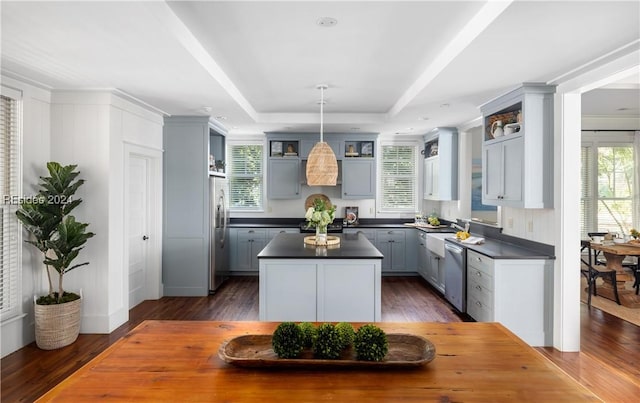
(322,167)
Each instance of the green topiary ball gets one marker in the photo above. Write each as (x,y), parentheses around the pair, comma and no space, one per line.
(287,340)
(371,343)
(347,334)
(308,333)
(327,343)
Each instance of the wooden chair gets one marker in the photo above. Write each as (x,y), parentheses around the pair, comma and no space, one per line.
(592,273)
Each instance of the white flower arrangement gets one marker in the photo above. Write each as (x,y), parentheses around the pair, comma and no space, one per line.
(319,215)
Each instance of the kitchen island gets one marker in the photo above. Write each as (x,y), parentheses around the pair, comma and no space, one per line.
(300,282)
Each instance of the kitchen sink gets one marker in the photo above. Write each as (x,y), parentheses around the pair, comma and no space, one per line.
(435,242)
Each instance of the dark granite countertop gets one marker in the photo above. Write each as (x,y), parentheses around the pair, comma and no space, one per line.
(292,246)
(496,249)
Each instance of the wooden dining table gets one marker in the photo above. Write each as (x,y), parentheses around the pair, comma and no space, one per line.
(614,255)
(173,361)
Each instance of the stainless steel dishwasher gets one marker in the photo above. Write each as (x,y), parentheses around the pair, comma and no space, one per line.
(455,275)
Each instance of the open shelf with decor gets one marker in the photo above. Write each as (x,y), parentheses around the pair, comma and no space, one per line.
(283,148)
(358,149)
(517,151)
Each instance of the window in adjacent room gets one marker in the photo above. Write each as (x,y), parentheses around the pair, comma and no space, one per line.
(246,177)
(10,180)
(607,188)
(398,178)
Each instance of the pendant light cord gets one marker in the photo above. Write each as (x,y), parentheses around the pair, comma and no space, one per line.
(321,113)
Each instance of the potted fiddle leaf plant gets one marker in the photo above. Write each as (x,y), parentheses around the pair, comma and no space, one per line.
(60,238)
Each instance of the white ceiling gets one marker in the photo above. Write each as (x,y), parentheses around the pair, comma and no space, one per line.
(390,66)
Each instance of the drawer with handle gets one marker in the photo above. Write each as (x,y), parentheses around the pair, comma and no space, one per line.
(479,310)
(480,262)
(480,292)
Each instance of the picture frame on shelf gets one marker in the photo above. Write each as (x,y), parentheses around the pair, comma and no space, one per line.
(351,215)
(366,149)
(351,149)
(276,148)
(291,150)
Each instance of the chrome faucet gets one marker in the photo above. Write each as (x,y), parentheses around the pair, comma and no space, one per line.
(459,228)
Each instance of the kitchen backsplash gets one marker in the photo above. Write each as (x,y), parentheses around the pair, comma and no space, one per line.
(295,207)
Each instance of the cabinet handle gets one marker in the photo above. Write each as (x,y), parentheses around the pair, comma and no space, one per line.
(478,274)
(478,303)
(345,193)
(479,259)
(478,288)
(251,231)
(283,231)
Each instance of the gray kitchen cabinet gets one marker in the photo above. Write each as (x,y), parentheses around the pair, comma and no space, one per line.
(411,251)
(370,233)
(283,180)
(431,172)
(495,293)
(185,238)
(504,186)
(246,244)
(422,254)
(441,164)
(358,178)
(517,168)
(435,271)
(273,232)
(392,244)
(307,144)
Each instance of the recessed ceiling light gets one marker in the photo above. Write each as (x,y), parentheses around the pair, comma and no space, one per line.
(405,131)
(444,105)
(221,118)
(327,22)
(623,109)
(206,109)
(355,128)
(423,118)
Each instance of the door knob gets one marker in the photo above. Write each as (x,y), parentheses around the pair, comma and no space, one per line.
(144,237)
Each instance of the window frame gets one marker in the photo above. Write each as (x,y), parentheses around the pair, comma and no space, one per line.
(234,143)
(593,140)
(414,176)
(15,307)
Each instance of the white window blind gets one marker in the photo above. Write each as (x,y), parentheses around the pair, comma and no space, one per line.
(246,176)
(398,178)
(608,177)
(9,226)
(587,223)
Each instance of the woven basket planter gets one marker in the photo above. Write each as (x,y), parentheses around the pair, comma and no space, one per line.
(57,325)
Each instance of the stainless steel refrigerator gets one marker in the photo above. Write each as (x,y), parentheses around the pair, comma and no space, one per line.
(218,231)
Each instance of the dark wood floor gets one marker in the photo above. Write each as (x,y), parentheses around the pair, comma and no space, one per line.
(609,363)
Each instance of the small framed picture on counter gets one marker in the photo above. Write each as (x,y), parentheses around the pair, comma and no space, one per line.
(351,215)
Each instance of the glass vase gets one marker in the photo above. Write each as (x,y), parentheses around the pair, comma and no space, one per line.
(321,235)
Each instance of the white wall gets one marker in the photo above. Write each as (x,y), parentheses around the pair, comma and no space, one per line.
(19,331)
(89,129)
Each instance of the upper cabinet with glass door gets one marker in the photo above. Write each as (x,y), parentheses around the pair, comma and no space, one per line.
(517,151)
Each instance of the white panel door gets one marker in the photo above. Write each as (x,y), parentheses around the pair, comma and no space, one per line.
(138,228)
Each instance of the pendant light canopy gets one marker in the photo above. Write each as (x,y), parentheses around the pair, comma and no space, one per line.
(322,166)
